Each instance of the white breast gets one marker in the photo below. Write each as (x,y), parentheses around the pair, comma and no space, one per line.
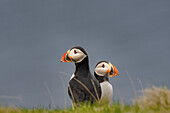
(107,92)
(72,76)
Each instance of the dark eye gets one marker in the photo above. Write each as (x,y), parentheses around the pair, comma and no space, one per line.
(75,51)
(103,66)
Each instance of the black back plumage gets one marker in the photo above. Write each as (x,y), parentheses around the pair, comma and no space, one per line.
(79,93)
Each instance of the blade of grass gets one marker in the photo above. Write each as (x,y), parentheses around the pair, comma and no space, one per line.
(64,73)
(141,85)
(132,84)
(13,97)
(52,100)
(64,87)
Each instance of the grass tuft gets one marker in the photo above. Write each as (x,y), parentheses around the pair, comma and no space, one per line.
(155,98)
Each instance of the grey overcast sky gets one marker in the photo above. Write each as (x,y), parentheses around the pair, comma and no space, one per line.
(134,35)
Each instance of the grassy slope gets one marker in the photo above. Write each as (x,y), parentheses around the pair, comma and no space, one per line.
(154,100)
(115,108)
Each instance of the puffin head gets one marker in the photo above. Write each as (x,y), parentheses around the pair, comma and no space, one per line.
(105,68)
(75,54)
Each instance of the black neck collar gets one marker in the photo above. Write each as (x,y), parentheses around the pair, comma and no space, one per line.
(101,78)
(82,67)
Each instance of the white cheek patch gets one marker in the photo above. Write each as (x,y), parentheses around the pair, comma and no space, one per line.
(78,57)
(101,71)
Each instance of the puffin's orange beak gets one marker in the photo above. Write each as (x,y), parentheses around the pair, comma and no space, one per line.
(66,57)
(113,71)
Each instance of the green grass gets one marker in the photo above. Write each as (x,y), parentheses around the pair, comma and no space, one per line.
(154,100)
(114,108)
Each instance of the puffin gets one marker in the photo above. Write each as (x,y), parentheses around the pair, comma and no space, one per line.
(102,71)
(83,86)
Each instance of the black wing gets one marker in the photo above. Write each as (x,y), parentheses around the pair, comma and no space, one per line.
(76,91)
(79,92)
